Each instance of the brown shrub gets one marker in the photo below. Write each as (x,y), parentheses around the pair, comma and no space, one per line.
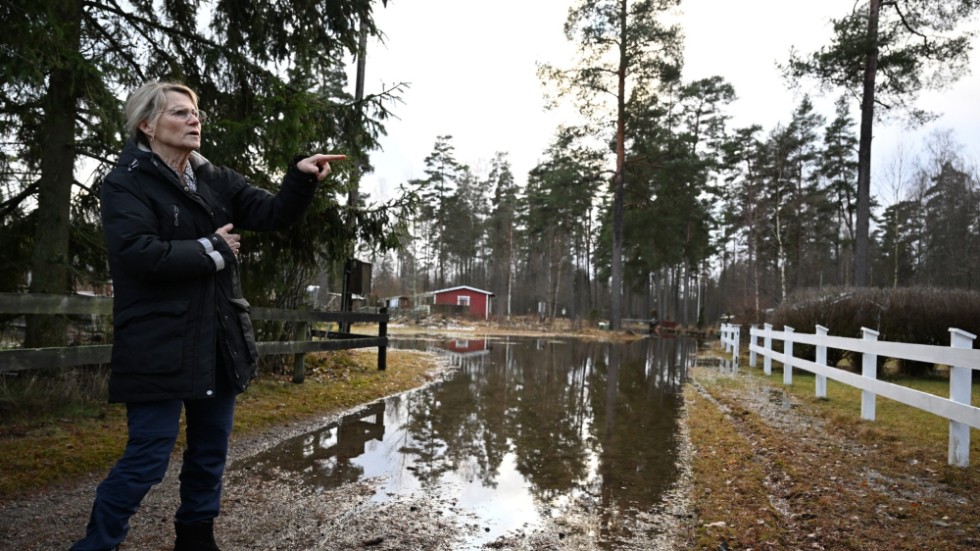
(921,315)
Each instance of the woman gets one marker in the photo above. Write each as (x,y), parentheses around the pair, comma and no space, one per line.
(183,339)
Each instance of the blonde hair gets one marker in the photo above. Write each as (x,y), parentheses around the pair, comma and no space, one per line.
(146,102)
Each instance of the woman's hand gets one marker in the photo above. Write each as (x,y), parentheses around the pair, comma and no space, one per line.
(319,164)
(233,240)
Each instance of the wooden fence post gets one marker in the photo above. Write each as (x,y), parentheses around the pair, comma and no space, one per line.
(821,385)
(753,342)
(767,360)
(960,388)
(869,369)
(299,360)
(383,333)
(788,356)
(736,342)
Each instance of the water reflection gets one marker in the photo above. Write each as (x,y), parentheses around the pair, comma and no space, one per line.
(525,428)
(325,458)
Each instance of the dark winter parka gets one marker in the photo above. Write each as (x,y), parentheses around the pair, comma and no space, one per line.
(176,306)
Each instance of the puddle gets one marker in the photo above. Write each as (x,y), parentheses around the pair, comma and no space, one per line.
(524,430)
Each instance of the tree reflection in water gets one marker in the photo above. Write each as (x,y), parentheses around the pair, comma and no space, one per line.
(524,427)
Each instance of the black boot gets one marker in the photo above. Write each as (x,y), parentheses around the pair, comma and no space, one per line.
(198,536)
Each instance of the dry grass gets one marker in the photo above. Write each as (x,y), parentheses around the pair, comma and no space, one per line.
(727,481)
(833,480)
(914,435)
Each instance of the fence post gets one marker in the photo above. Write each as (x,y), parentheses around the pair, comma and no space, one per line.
(753,336)
(869,369)
(960,387)
(821,387)
(788,353)
(767,346)
(299,360)
(736,342)
(383,333)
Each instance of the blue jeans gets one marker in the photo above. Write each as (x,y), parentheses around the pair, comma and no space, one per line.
(153,428)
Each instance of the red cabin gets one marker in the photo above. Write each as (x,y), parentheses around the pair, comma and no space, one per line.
(476,301)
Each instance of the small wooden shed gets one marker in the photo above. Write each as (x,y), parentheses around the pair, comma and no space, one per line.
(476,301)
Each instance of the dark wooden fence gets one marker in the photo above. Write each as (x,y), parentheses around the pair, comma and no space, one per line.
(24,359)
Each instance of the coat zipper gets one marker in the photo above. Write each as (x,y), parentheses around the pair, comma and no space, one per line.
(195,196)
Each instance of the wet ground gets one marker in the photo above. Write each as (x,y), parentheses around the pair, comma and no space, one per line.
(524,444)
(525,431)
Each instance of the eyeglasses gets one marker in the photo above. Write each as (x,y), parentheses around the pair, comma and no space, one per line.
(185,114)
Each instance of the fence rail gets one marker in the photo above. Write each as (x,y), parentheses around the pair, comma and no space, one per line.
(24,359)
(960,356)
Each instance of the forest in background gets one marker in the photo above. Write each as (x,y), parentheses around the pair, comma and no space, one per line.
(776,217)
(653,205)
(697,220)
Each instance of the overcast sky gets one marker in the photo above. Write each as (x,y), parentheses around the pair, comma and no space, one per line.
(471,70)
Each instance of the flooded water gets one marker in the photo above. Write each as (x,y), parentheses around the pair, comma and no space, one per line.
(522,430)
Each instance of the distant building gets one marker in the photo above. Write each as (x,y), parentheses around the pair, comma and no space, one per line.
(401,301)
(475,303)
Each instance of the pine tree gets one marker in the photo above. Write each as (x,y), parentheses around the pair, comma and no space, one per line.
(886,52)
(268,73)
(623,48)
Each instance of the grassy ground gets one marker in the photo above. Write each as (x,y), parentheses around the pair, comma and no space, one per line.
(51,434)
(776,468)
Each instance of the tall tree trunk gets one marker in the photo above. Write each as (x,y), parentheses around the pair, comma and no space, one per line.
(675,291)
(780,255)
(862,222)
(616,290)
(510,269)
(593,285)
(755,279)
(556,258)
(895,253)
(685,282)
(799,275)
(50,265)
(556,291)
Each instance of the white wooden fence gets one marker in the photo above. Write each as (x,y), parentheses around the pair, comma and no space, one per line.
(730,337)
(959,356)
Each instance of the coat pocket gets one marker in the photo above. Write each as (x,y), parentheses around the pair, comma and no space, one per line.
(242,308)
(151,340)
(239,336)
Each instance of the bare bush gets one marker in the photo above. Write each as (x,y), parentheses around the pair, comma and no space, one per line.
(922,315)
